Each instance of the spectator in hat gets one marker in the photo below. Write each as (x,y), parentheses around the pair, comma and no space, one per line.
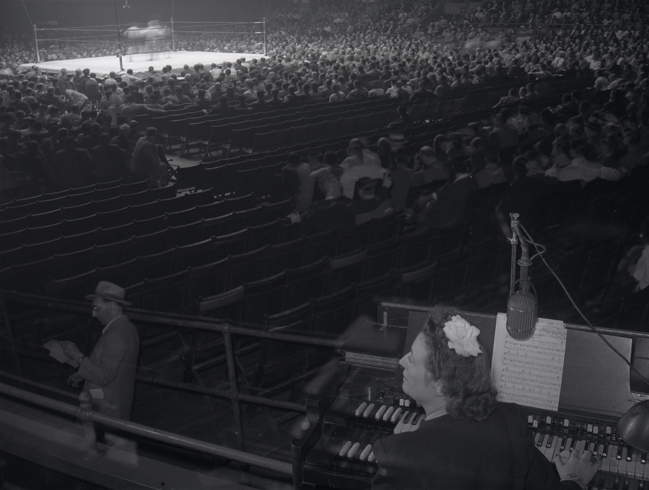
(109,372)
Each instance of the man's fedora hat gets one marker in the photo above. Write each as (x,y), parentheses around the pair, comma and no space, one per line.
(110,292)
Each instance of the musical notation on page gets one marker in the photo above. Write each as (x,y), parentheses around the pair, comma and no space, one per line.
(529,372)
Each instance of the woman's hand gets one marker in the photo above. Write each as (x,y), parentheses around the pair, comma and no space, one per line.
(580,468)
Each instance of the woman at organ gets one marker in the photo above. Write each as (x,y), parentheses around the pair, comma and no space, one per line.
(468,440)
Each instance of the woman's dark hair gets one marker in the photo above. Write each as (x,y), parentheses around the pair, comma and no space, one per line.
(465,381)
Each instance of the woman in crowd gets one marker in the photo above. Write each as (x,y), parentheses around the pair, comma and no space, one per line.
(468,439)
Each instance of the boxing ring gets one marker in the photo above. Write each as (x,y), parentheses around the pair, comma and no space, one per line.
(141,46)
(141,62)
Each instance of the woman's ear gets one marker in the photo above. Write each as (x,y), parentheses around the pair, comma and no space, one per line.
(437,387)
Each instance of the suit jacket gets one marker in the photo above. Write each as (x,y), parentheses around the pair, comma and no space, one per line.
(448,454)
(111,368)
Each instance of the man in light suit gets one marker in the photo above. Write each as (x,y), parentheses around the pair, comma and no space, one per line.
(109,372)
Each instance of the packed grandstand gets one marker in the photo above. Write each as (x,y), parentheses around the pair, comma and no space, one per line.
(445,120)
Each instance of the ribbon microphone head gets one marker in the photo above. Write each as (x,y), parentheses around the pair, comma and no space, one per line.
(522,306)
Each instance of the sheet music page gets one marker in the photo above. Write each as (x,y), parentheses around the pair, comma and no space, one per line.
(529,372)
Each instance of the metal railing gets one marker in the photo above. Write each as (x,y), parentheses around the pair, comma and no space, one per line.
(88,417)
(182,321)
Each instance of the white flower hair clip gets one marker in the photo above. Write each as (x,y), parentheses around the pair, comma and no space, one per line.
(462,336)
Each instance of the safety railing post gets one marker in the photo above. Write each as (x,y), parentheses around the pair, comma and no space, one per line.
(234,389)
(90,436)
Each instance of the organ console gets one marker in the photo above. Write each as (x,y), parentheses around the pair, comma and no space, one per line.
(360,401)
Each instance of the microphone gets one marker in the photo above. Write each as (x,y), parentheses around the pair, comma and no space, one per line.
(522,305)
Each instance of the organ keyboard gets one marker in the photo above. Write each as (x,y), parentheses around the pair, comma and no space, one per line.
(361,402)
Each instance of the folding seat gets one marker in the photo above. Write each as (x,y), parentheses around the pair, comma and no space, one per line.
(13,223)
(107,191)
(250,217)
(452,269)
(346,270)
(139,197)
(247,180)
(263,297)
(370,293)
(197,132)
(226,306)
(81,198)
(212,209)
(381,259)
(246,267)
(322,244)
(146,211)
(151,242)
(241,140)
(115,252)
(73,288)
(188,215)
(108,204)
(267,233)
(414,248)
(264,141)
(46,218)
(219,225)
(175,133)
(204,196)
(134,187)
(33,251)
(77,241)
(218,136)
(29,277)
(418,284)
(117,273)
(109,234)
(16,239)
(185,233)
(286,255)
(240,202)
(33,235)
(206,280)
(334,312)
(165,192)
(166,293)
(149,225)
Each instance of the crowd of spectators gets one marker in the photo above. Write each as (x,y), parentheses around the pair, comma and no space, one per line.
(75,128)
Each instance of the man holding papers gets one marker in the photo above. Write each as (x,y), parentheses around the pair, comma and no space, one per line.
(109,371)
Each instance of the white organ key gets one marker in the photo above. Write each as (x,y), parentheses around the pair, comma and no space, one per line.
(360,409)
(396,415)
(368,410)
(370,458)
(380,412)
(388,414)
(581,444)
(634,470)
(600,449)
(613,462)
(366,452)
(353,449)
(399,428)
(623,467)
(345,449)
